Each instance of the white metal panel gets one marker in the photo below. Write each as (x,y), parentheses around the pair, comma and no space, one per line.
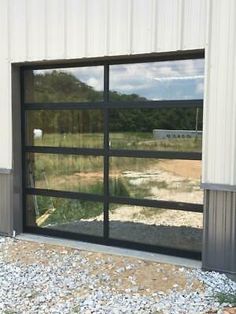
(4,29)
(5,116)
(119,34)
(220,95)
(76,43)
(17,30)
(168,27)
(55,29)
(96,27)
(141,27)
(36,29)
(194,23)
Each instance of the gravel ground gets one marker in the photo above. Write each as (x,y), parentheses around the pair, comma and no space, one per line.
(40,278)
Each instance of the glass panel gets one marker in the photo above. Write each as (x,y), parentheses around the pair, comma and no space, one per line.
(65,214)
(173,129)
(65,172)
(156,179)
(169,80)
(65,128)
(81,84)
(168,228)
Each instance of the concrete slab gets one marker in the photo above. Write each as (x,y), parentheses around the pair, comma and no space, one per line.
(85,246)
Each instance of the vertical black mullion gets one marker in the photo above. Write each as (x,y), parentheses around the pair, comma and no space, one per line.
(23,144)
(106,152)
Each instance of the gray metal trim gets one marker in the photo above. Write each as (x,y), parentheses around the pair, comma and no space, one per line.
(5,171)
(218,187)
(6,203)
(219,233)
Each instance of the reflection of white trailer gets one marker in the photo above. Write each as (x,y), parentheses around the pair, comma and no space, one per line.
(172,134)
(38,133)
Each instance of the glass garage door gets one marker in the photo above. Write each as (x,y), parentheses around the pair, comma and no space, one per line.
(112,153)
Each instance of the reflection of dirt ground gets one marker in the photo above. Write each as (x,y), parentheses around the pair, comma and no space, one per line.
(174,228)
(170,180)
(185,168)
(153,216)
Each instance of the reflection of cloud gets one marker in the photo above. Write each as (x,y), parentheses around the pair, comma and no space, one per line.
(172,78)
(92,76)
(159,80)
(200,87)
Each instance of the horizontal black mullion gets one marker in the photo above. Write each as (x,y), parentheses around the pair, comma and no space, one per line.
(155,154)
(157,204)
(157,104)
(65,194)
(64,106)
(99,61)
(64,150)
(157,57)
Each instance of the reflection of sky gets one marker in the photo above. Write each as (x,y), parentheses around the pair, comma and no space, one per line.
(160,80)
(182,79)
(92,76)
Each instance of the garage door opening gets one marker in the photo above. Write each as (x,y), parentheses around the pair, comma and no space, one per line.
(112,153)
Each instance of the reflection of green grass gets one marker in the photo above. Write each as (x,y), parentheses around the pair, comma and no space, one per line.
(85,140)
(57,165)
(145,141)
(121,186)
(125,140)
(67,210)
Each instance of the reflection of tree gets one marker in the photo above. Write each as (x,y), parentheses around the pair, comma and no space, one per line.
(65,87)
(60,86)
(145,120)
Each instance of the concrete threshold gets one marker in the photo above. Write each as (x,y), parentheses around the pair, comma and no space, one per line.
(98,248)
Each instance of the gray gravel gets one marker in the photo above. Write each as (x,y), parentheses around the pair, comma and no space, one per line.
(66,284)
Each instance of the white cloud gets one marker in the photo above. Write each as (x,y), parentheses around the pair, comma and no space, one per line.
(173,78)
(200,87)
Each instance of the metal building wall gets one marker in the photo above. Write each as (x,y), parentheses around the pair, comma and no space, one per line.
(36,30)
(219,149)
(219,172)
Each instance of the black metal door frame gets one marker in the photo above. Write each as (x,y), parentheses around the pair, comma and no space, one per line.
(106,152)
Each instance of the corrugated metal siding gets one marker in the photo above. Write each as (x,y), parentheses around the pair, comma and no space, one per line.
(6,204)
(220,95)
(59,29)
(219,251)
(5,115)
(35,30)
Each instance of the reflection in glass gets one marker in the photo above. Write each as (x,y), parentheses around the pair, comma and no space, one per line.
(156,179)
(172,129)
(81,84)
(62,214)
(169,228)
(65,172)
(65,128)
(170,80)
